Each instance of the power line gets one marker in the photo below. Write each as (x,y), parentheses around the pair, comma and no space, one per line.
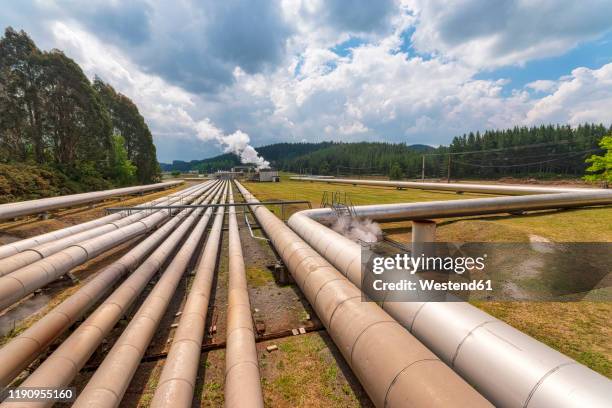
(504,148)
(525,164)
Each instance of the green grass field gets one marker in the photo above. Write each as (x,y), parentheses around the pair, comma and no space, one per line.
(581,330)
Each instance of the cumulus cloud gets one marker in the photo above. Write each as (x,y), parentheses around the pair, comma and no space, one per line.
(542,85)
(586,96)
(222,76)
(488,33)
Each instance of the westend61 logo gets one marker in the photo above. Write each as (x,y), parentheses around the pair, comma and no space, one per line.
(459,271)
(412,264)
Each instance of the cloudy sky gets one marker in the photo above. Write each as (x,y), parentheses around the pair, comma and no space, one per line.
(413,71)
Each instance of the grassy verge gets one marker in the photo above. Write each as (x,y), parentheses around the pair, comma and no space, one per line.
(303,372)
(580,330)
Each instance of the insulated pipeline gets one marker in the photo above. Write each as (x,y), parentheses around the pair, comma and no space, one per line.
(12,210)
(59,369)
(109,383)
(21,282)
(509,189)
(178,378)
(507,366)
(242,379)
(23,349)
(31,255)
(24,244)
(395,369)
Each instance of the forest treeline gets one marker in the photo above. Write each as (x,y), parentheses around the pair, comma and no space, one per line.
(540,151)
(53,117)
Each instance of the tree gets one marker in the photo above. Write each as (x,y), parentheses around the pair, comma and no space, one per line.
(324,168)
(395,173)
(129,123)
(601,165)
(122,168)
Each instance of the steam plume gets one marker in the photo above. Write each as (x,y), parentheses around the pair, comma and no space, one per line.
(237,143)
(358,230)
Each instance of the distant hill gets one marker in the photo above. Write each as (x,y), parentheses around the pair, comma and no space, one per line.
(287,156)
(542,151)
(274,153)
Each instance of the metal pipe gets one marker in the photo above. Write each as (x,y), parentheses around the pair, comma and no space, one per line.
(12,210)
(24,244)
(23,349)
(395,369)
(31,255)
(108,384)
(242,379)
(509,189)
(177,382)
(462,208)
(60,368)
(21,282)
(507,366)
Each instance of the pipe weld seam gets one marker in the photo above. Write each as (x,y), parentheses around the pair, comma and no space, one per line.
(176,379)
(82,247)
(227,370)
(93,325)
(308,274)
(364,330)
(20,282)
(29,338)
(229,333)
(400,373)
(185,340)
(415,316)
(544,377)
(331,317)
(33,250)
(74,365)
(321,288)
(104,389)
(452,362)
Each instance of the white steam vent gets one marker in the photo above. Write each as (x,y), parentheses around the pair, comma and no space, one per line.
(358,230)
(237,143)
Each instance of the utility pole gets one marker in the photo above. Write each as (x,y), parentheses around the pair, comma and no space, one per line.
(449,169)
(423,170)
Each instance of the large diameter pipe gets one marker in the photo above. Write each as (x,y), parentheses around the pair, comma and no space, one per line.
(395,369)
(177,381)
(23,349)
(461,208)
(12,210)
(242,379)
(26,280)
(507,366)
(509,189)
(31,255)
(107,386)
(60,368)
(24,244)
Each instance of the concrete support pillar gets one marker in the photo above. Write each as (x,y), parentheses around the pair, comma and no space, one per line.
(423,232)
